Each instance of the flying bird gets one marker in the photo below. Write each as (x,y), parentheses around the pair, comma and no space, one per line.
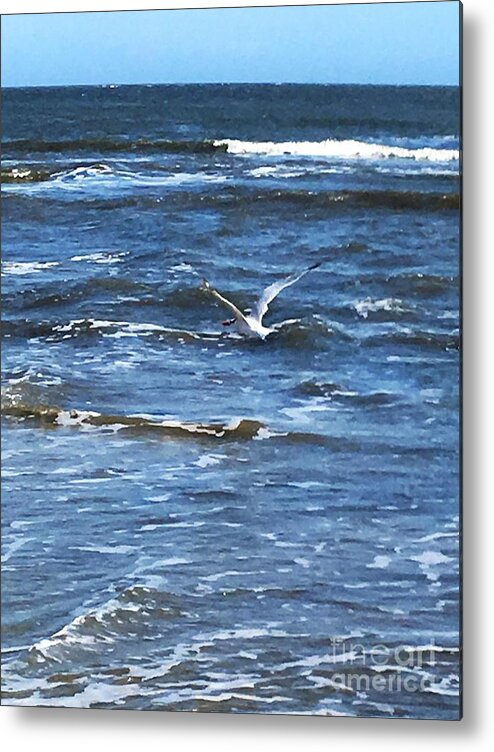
(250,323)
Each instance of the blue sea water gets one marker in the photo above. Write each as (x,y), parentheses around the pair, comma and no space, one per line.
(196,521)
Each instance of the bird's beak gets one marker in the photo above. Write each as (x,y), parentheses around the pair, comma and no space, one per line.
(228,322)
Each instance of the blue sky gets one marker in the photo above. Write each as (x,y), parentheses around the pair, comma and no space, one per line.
(385,43)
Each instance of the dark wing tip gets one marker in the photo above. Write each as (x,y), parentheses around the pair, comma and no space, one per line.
(316,265)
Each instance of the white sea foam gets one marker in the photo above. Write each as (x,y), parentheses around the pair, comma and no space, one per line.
(27,267)
(123,328)
(279,172)
(431,558)
(157,499)
(10,547)
(182,267)
(99,174)
(428,561)
(206,460)
(435,536)
(76,174)
(364,307)
(99,258)
(265,433)
(75,418)
(312,661)
(335,149)
(380,562)
(119,550)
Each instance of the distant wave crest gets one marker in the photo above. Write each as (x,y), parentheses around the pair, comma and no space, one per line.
(328,148)
(343,149)
(15,406)
(110,145)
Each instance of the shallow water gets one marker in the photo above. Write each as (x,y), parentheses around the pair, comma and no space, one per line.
(192,520)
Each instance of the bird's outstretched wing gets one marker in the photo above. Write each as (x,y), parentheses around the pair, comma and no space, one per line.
(231,306)
(261,307)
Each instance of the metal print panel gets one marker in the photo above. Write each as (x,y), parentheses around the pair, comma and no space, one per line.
(217,498)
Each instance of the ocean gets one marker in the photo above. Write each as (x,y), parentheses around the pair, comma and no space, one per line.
(197,521)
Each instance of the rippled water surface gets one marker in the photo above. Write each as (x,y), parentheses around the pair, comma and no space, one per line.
(193,520)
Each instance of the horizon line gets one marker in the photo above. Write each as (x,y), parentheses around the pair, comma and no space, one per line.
(115,84)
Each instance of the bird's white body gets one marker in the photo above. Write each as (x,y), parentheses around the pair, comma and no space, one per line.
(250,324)
(251,327)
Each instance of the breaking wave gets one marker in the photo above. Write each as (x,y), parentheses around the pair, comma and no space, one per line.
(50,415)
(328,148)
(131,610)
(291,333)
(32,398)
(56,331)
(385,308)
(339,149)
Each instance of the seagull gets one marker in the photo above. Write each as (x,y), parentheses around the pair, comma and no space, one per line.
(250,323)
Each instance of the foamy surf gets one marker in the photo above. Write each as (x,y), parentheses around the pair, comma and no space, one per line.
(335,149)
(119,329)
(367,307)
(21,268)
(100,174)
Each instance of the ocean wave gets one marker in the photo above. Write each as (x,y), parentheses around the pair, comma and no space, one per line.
(99,257)
(337,149)
(50,294)
(395,200)
(237,429)
(304,332)
(109,145)
(383,308)
(405,286)
(327,149)
(426,285)
(83,171)
(237,197)
(25,174)
(55,331)
(13,406)
(32,397)
(79,175)
(339,394)
(283,171)
(20,268)
(119,329)
(37,400)
(415,338)
(289,333)
(133,610)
